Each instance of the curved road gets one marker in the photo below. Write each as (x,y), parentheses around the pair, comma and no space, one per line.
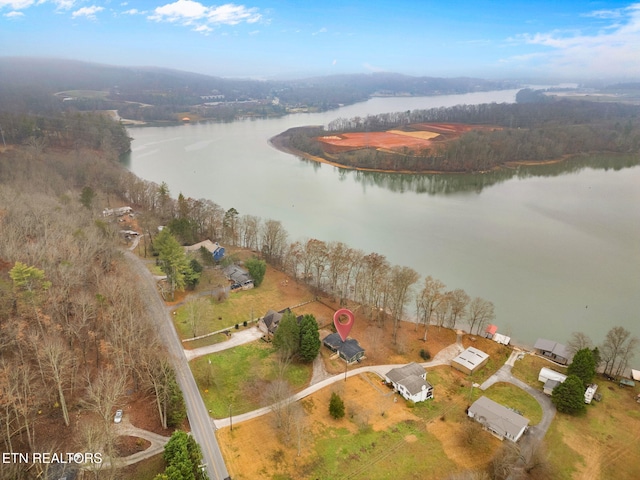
(202,427)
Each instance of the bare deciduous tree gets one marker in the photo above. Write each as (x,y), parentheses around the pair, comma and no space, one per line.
(427,301)
(481,312)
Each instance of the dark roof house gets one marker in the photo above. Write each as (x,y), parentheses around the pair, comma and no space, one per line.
(349,350)
(238,276)
(553,350)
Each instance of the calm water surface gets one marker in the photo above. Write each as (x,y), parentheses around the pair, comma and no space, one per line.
(557,249)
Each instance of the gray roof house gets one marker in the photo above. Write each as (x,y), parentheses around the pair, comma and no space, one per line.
(553,350)
(498,419)
(349,350)
(410,381)
(239,277)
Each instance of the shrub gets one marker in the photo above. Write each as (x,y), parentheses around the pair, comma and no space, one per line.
(336,406)
(424,354)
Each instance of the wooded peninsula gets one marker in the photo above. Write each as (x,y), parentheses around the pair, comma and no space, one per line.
(470,138)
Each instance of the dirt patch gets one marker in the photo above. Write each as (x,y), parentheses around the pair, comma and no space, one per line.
(468,457)
(412,137)
(126,445)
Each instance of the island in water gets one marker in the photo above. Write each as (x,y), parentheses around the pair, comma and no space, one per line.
(470,138)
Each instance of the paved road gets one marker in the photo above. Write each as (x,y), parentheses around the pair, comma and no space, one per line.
(237,338)
(201,425)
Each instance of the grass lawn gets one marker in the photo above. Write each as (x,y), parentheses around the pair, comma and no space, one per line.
(406,450)
(242,306)
(528,368)
(604,440)
(515,398)
(239,376)
(145,469)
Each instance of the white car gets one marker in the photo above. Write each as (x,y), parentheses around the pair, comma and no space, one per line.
(118,417)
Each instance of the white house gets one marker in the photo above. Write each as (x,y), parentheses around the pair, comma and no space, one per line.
(498,419)
(410,381)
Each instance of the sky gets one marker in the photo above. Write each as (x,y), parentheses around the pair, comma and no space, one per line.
(561,40)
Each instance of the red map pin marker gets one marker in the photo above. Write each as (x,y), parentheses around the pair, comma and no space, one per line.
(343,327)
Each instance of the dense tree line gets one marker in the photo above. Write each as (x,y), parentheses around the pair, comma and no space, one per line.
(65,130)
(385,291)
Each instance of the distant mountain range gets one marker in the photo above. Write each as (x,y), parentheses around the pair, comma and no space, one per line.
(48,76)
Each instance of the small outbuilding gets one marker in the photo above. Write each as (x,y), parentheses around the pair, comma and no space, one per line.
(469,361)
(498,419)
(349,350)
(410,381)
(490,331)
(553,350)
(551,379)
(501,339)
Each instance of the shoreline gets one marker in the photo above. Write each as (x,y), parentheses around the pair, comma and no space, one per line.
(281,142)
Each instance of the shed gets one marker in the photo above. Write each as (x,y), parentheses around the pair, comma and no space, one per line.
(548,374)
(349,350)
(635,374)
(490,331)
(549,385)
(553,350)
(410,381)
(498,419)
(502,339)
(470,360)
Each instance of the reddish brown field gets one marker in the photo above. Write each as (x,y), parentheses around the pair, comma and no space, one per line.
(415,137)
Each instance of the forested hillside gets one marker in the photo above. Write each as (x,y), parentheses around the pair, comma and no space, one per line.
(75,340)
(155,94)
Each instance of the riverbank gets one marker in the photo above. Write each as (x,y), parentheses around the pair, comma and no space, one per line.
(282,143)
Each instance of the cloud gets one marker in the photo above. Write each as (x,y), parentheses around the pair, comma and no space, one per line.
(14,14)
(16,4)
(134,11)
(612,50)
(24,4)
(202,17)
(88,12)
(322,30)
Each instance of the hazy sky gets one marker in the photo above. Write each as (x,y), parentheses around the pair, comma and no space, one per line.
(267,38)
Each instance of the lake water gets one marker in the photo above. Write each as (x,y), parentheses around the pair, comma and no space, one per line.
(556,249)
